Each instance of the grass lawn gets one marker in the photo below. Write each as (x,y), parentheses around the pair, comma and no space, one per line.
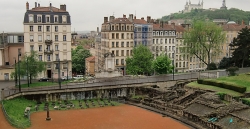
(214,88)
(241,80)
(15,109)
(42,84)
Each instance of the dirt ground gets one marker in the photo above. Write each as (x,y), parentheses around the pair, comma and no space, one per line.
(3,122)
(119,117)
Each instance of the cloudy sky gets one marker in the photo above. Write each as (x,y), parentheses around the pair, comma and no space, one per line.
(86,15)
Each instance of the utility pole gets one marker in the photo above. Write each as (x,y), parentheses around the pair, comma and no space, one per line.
(19,85)
(27,72)
(59,74)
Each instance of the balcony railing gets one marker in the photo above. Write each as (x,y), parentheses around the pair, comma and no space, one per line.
(48,51)
(48,41)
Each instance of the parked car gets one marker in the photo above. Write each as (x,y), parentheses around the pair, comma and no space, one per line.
(79,77)
(43,79)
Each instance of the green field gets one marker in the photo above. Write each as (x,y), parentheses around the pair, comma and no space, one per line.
(15,109)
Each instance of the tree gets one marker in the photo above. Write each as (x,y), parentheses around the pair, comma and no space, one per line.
(141,61)
(162,64)
(204,40)
(78,59)
(30,65)
(225,63)
(241,46)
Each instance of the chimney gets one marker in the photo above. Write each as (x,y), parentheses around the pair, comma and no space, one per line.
(134,17)
(38,4)
(63,7)
(50,7)
(173,25)
(35,4)
(148,19)
(97,30)
(124,16)
(130,17)
(161,24)
(105,19)
(111,18)
(142,18)
(27,6)
(157,21)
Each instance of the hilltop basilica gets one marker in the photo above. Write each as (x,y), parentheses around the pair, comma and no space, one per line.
(189,6)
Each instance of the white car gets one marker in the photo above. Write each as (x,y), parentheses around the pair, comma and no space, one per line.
(79,77)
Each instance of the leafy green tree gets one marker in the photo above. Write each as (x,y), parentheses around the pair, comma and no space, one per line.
(30,65)
(78,59)
(162,64)
(204,40)
(241,46)
(225,63)
(141,61)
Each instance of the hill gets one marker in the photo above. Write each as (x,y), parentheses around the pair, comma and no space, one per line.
(232,14)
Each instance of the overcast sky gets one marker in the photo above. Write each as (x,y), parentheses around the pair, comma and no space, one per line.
(86,15)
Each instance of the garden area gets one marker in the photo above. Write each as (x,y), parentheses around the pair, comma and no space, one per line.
(18,117)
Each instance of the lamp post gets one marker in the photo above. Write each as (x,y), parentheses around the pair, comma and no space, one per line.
(67,70)
(27,72)
(19,54)
(15,73)
(173,63)
(59,74)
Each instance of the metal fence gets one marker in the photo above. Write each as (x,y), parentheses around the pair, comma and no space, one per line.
(14,122)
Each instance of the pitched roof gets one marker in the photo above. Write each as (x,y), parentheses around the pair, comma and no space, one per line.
(47,9)
(120,20)
(139,21)
(179,28)
(165,27)
(90,59)
(233,27)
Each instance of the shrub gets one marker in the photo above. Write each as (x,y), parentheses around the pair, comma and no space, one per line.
(246,101)
(211,66)
(199,81)
(232,71)
(221,95)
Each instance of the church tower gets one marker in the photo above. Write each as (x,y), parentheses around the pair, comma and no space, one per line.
(223,5)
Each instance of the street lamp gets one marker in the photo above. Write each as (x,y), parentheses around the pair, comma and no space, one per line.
(27,73)
(173,63)
(59,75)
(19,54)
(67,70)
(15,73)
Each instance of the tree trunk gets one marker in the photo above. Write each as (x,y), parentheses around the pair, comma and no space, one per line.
(30,78)
(242,65)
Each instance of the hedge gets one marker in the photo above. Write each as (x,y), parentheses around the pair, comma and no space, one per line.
(246,101)
(233,87)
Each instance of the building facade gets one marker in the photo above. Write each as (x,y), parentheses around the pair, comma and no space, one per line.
(47,30)
(90,66)
(189,6)
(117,37)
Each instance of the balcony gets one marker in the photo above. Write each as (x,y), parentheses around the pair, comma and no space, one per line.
(48,51)
(48,41)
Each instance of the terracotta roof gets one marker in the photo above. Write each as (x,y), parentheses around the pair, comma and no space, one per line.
(120,20)
(92,58)
(179,28)
(139,21)
(47,9)
(165,27)
(233,27)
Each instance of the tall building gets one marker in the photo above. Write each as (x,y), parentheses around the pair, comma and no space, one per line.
(189,6)
(117,37)
(47,30)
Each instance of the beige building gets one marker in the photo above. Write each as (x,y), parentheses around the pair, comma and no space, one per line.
(90,66)
(47,30)
(10,45)
(117,37)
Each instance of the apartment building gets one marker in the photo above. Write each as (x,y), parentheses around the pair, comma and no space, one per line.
(98,51)
(10,45)
(117,37)
(47,30)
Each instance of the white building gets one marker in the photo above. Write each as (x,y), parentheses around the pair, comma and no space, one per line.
(47,30)
(189,6)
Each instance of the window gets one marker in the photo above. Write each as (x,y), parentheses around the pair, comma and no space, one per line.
(153,41)
(31,28)
(113,44)
(39,18)
(56,28)
(122,44)
(31,38)
(48,48)
(39,38)
(31,47)
(117,53)
(31,18)
(122,53)
(169,48)
(122,61)
(117,44)
(56,37)
(56,47)
(47,28)
(39,28)
(48,58)
(117,35)
(48,37)
(64,38)
(57,56)
(56,19)
(113,36)
(127,53)
(117,62)
(40,57)
(172,40)
(40,48)
(122,35)
(19,50)
(127,44)
(47,19)
(64,19)
(169,41)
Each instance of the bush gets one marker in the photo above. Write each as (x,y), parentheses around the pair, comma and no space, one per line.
(199,81)
(211,66)
(224,85)
(232,71)
(221,95)
(246,101)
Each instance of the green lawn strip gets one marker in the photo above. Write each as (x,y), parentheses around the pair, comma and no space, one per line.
(214,88)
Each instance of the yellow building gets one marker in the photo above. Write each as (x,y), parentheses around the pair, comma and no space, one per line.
(90,65)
